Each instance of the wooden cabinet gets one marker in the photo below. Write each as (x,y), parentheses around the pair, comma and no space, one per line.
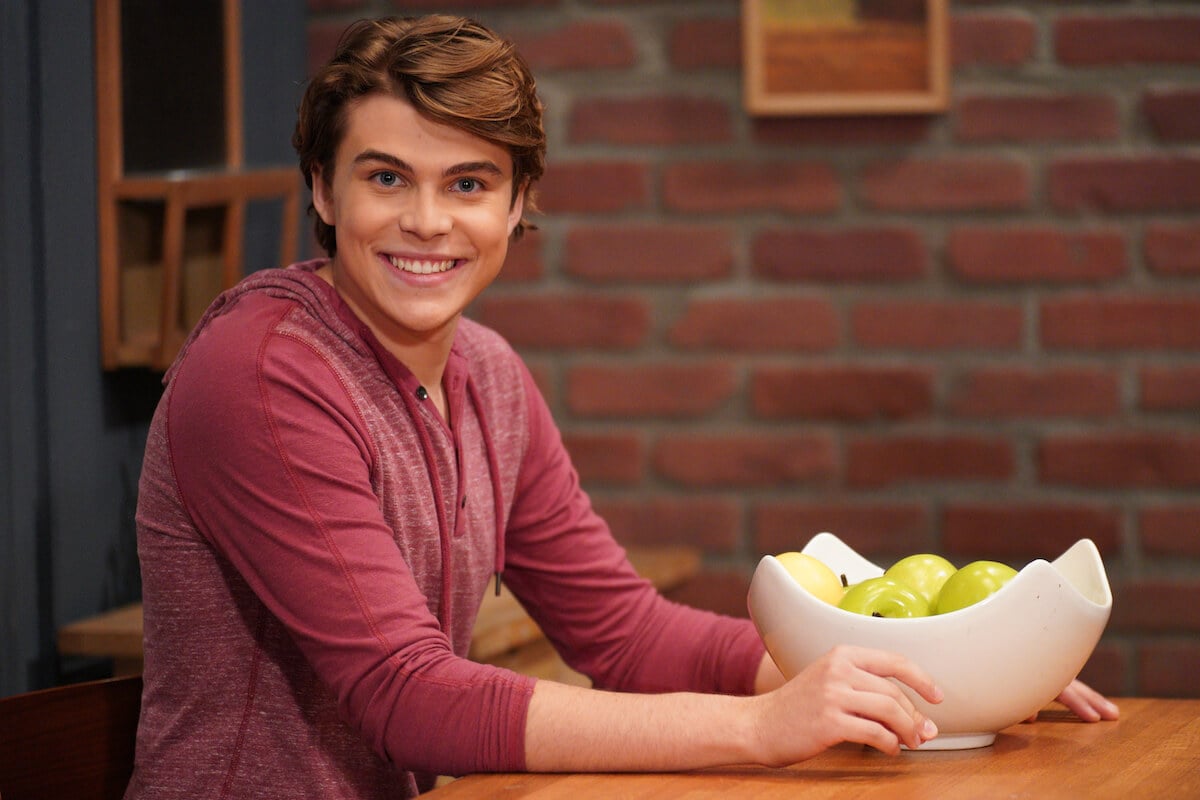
(173,190)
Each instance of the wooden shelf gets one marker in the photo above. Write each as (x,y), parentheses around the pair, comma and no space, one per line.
(173,238)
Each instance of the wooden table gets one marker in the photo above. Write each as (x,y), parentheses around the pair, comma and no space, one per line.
(504,634)
(1153,751)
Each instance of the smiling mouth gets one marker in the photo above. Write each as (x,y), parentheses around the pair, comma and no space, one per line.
(422,267)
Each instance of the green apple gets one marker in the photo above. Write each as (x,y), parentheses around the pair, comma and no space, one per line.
(884,597)
(974,582)
(924,572)
(814,575)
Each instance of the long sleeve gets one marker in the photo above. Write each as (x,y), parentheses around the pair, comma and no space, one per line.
(576,581)
(274,468)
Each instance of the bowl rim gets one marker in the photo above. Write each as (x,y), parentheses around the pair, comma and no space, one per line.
(1084,549)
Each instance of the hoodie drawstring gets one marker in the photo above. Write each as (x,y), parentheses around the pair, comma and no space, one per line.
(489,447)
(444,537)
(438,504)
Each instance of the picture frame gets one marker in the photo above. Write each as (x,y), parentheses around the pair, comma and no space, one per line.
(845,57)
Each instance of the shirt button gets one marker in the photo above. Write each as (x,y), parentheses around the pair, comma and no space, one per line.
(422,394)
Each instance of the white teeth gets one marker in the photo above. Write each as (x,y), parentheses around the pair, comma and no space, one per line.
(421,267)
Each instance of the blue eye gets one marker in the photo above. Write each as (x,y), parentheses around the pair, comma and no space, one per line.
(466,185)
(387,178)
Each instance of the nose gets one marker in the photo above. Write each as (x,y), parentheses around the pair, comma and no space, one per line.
(425,215)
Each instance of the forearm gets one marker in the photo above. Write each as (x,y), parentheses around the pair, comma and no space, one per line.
(768,677)
(849,694)
(571,729)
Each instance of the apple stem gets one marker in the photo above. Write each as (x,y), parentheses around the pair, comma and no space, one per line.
(845,583)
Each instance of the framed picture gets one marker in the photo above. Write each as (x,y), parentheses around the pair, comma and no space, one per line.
(807,57)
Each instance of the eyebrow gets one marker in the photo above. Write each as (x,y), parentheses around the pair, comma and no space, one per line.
(401,165)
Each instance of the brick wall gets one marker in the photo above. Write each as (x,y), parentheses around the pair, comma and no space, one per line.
(974,333)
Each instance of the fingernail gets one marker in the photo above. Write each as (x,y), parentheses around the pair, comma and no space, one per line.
(928,730)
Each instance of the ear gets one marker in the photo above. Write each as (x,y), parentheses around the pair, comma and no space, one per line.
(517,209)
(322,197)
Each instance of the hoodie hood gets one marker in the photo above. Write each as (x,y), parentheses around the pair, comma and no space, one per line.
(298,283)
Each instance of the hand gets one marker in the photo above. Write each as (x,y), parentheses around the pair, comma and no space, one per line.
(1087,704)
(845,696)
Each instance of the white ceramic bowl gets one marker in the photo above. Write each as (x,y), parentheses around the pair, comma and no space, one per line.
(997,662)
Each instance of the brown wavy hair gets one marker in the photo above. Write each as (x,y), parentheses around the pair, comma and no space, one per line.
(452,69)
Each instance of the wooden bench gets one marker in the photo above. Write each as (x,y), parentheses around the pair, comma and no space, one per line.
(69,743)
(504,634)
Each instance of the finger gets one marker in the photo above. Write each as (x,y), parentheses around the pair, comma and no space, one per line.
(862,730)
(887,687)
(891,665)
(896,714)
(1075,700)
(1087,703)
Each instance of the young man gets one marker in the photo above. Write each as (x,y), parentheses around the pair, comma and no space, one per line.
(341,464)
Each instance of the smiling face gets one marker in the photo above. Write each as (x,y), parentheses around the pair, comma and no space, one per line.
(423,214)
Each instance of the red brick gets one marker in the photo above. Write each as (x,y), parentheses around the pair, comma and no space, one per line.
(593,45)
(1173,113)
(1035,253)
(669,120)
(740,186)
(844,255)
(937,325)
(1040,118)
(1017,533)
(745,460)
(1107,670)
(1022,392)
(649,254)
(1120,460)
(719,591)
(991,40)
(711,524)
(567,320)
(1104,322)
(883,531)
(876,462)
(1170,530)
(1125,184)
(706,43)
(1083,40)
(607,458)
(1156,605)
(1170,388)
(788,323)
(846,393)
(668,389)
(1172,250)
(837,132)
(1169,668)
(594,187)
(947,184)
(524,261)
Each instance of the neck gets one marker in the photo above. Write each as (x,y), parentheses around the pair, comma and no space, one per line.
(424,356)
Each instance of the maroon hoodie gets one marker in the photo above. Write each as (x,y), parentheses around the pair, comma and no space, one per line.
(315,542)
